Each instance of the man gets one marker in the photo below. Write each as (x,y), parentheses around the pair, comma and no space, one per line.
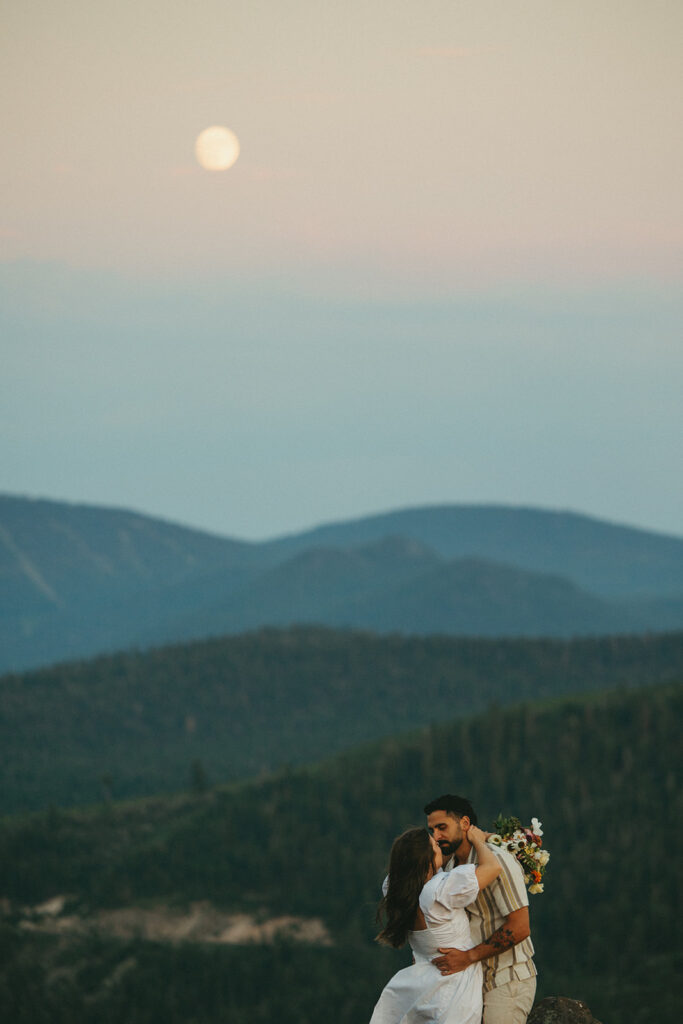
(499,919)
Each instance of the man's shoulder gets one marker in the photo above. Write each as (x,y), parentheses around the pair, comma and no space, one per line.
(511,879)
(508,860)
(503,855)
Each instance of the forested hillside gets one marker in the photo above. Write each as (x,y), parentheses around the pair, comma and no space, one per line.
(134,724)
(601,772)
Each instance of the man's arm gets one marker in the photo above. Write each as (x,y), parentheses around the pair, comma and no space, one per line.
(515,928)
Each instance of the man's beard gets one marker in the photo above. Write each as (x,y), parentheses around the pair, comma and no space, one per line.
(448,849)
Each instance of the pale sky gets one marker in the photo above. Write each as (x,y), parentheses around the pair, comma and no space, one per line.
(446,266)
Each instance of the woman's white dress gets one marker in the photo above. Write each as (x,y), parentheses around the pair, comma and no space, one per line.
(419,994)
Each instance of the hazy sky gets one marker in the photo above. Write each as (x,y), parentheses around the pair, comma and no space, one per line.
(446,266)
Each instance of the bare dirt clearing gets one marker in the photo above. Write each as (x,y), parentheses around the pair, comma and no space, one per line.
(200,922)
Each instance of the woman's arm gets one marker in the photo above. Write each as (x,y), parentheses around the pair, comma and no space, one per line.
(488,867)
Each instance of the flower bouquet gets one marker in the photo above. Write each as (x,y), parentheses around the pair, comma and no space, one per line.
(525,844)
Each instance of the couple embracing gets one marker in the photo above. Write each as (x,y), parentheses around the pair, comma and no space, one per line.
(463,907)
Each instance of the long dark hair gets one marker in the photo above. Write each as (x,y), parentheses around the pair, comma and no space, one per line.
(411,858)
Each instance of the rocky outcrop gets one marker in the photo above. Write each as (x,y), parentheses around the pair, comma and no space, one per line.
(559,1010)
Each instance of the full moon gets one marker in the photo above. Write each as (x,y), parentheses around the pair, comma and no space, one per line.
(217,148)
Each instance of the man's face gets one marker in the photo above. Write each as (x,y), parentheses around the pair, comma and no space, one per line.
(447,830)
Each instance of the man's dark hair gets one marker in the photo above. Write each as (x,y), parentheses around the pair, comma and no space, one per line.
(457,806)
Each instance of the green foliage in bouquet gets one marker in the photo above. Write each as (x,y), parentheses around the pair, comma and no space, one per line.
(504,827)
(524,843)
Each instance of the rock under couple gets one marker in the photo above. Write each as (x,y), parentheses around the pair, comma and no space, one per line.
(463,907)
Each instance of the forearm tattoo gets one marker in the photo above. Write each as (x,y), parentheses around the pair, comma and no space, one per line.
(501,939)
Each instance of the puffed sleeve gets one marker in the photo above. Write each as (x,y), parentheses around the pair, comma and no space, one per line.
(457,888)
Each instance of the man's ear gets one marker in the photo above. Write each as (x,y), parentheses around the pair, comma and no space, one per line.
(465,822)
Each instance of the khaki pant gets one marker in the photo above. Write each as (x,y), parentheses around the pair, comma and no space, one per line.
(511,1003)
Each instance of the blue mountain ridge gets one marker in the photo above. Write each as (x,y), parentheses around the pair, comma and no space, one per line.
(78,580)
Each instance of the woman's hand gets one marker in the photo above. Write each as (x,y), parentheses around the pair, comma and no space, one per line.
(475,835)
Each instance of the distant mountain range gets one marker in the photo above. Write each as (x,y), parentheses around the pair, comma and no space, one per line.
(78,580)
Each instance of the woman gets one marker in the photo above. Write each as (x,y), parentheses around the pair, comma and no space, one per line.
(425,905)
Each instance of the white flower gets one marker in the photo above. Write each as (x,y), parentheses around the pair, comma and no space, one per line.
(536,827)
(495,839)
(536,888)
(536,854)
(544,858)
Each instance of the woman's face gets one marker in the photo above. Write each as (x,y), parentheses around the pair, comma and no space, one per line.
(438,855)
